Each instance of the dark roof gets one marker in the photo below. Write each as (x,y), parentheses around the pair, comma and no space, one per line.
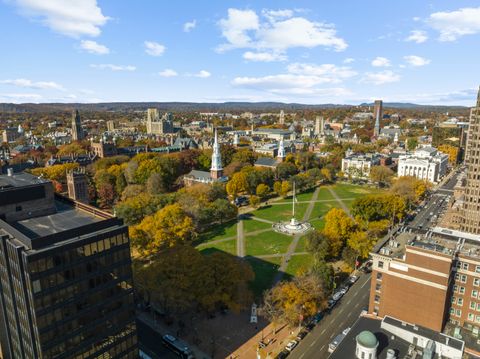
(66,218)
(19,180)
(205,175)
(267,161)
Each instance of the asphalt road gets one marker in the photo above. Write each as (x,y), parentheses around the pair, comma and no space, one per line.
(343,315)
(151,343)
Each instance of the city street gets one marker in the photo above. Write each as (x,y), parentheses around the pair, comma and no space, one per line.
(343,315)
(151,342)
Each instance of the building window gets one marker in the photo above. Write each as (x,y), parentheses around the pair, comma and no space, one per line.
(457,276)
(458,312)
(460,301)
(377,298)
(478,307)
(477,269)
(455,288)
(462,290)
(471,317)
(454,300)
(379,276)
(378,286)
(463,278)
(452,311)
(472,305)
(464,266)
(380,264)
(476,282)
(474,293)
(477,318)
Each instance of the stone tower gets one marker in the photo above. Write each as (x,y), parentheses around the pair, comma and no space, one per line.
(378,114)
(77,186)
(281,119)
(216,170)
(77,130)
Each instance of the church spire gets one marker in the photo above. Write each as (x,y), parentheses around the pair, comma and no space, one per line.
(281,150)
(216,170)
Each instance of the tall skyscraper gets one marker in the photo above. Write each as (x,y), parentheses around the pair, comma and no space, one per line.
(216,170)
(378,115)
(65,277)
(77,130)
(319,126)
(471,204)
(281,118)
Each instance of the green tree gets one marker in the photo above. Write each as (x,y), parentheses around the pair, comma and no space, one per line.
(381,175)
(262,190)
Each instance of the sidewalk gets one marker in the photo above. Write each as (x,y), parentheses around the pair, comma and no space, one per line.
(148,320)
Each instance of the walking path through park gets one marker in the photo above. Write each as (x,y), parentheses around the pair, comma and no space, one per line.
(293,245)
(240,239)
(340,201)
(261,220)
(276,255)
(317,201)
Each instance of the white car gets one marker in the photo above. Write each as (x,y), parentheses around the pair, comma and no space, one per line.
(345,331)
(291,345)
(353,278)
(336,296)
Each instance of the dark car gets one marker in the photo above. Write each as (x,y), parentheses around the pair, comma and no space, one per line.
(309,327)
(241,201)
(283,354)
(302,335)
(318,317)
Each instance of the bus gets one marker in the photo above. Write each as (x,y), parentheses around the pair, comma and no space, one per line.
(178,346)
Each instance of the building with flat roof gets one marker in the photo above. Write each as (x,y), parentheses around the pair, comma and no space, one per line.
(359,165)
(426,163)
(428,279)
(390,338)
(66,286)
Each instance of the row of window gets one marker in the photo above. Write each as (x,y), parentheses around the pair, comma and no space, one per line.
(463,278)
(466,266)
(474,294)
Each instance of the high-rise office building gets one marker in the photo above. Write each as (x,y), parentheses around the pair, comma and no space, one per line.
(378,115)
(471,204)
(77,130)
(157,125)
(65,276)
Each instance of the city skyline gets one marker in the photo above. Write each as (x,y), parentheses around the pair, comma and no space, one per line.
(268,51)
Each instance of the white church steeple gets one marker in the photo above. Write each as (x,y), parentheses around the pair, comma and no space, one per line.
(216,170)
(281,150)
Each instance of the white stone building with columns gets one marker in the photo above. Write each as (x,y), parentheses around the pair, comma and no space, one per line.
(426,163)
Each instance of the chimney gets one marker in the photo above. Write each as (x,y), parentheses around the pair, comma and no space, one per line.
(10,172)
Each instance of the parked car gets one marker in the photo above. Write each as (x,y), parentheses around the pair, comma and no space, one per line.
(318,317)
(302,334)
(283,354)
(331,303)
(310,326)
(337,295)
(352,279)
(292,344)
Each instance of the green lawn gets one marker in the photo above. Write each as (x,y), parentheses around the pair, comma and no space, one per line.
(305,196)
(297,262)
(265,270)
(321,209)
(301,244)
(219,232)
(267,243)
(281,212)
(229,246)
(324,193)
(318,223)
(250,225)
(344,190)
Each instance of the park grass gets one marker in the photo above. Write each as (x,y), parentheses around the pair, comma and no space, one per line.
(344,190)
(318,223)
(267,243)
(219,231)
(299,262)
(325,194)
(305,196)
(301,244)
(228,246)
(250,225)
(321,208)
(265,271)
(281,212)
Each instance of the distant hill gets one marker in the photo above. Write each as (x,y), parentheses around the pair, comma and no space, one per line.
(200,107)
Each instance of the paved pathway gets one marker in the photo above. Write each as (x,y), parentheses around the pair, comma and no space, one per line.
(261,220)
(280,255)
(340,201)
(319,200)
(293,245)
(240,239)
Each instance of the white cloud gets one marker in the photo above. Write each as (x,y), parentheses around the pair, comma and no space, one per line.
(44,85)
(72,18)
(299,79)
(168,73)
(113,67)
(264,56)
(416,60)
(154,48)
(380,78)
(20,97)
(455,24)
(279,32)
(203,74)
(94,47)
(417,36)
(189,26)
(348,60)
(381,62)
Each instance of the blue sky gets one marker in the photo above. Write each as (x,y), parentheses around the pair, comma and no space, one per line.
(209,51)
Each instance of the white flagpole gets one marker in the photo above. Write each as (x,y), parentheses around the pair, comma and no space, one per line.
(293,200)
